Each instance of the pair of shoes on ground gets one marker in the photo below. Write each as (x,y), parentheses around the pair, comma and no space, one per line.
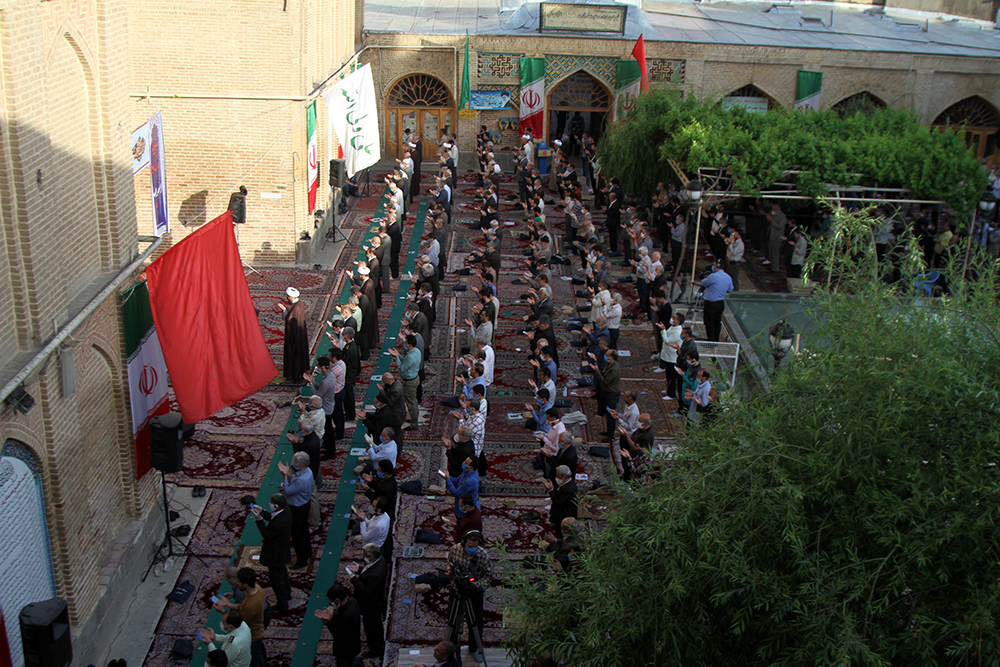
(199,492)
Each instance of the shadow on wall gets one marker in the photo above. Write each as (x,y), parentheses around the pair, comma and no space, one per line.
(192,210)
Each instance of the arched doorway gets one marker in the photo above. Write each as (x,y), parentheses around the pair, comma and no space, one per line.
(981,124)
(751,98)
(580,93)
(26,564)
(863,103)
(422,104)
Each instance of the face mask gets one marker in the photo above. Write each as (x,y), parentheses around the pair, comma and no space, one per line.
(471,550)
(607,359)
(380,474)
(222,628)
(383,439)
(273,508)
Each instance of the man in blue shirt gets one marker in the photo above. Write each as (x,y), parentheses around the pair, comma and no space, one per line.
(716,286)
(538,421)
(409,373)
(476,372)
(298,487)
(467,483)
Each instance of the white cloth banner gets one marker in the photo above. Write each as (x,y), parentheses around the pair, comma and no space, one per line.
(350,104)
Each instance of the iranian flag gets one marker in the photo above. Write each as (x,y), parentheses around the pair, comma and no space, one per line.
(312,157)
(532,94)
(627,88)
(807,90)
(147,371)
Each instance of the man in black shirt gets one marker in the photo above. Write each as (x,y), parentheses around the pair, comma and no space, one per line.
(343,620)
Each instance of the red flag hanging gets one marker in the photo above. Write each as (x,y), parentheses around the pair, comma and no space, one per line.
(208,329)
(5,658)
(639,53)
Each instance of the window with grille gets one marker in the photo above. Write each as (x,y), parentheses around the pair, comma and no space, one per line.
(580,91)
(972,111)
(419,90)
(863,102)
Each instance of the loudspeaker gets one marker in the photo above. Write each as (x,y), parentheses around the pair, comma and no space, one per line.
(166,442)
(337,173)
(45,636)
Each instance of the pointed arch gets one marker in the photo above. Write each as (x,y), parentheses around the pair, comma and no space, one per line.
(861,102)
(27,571)
(979,120)
(751,90)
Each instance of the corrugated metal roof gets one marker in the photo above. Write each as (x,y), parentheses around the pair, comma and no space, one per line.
(807,25)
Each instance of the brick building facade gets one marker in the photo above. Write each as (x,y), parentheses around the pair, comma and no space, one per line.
(68,221)
(233,81)
(927,85)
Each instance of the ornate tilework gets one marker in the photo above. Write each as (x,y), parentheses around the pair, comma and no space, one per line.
(670,71)
(603,67)
(499,66)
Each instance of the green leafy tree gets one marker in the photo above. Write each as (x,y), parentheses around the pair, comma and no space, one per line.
(886,147)
(848,516)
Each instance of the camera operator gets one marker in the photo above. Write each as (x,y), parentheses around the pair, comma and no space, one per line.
(469,569)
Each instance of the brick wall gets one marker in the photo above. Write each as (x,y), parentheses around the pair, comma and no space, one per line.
(232,81)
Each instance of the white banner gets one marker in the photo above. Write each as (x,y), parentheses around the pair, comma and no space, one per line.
(354,117)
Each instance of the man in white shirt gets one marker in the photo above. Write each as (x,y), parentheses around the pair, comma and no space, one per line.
(489,362)
(235,642)
(385,448)
(375,529)
(734,258)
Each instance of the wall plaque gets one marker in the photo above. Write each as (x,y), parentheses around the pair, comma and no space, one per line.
(581,18)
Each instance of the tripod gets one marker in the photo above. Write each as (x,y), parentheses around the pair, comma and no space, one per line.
(245,265)
(367,188)
(464,604)
(333,233)
(166,550)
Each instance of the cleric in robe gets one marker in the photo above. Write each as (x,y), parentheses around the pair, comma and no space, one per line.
(296,361)
(368,290)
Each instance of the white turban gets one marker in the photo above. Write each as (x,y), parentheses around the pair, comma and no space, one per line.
(292,293)
(364,270)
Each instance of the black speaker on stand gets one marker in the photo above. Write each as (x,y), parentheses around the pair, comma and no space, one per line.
(166,445)
(45,637)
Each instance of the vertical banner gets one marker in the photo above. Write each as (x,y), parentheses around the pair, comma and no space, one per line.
(463,102)
(807,90)
(158,176)
(626,88)
(147,372)
(5,658)
(211,338)
(532,95)
(353,114)
(312,156)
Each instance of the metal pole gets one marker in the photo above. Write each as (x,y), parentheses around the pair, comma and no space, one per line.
(694,258)
(968,247)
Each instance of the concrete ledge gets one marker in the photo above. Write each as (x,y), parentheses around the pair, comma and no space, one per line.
(120,575)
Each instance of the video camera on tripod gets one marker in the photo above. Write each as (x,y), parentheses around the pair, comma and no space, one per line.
(464,585)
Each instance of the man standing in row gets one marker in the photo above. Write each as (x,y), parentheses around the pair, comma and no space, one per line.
(275,550)
(296,352)
(297,488)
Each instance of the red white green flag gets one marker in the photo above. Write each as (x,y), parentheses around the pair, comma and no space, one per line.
(312,156)
(147,372)
(807,90)
(627,88)
(532,94)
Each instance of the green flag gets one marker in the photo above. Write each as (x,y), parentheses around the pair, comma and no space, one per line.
(807,90)
(466,83)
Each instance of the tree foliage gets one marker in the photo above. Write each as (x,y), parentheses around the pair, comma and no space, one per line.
(888,147)
(846,517)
